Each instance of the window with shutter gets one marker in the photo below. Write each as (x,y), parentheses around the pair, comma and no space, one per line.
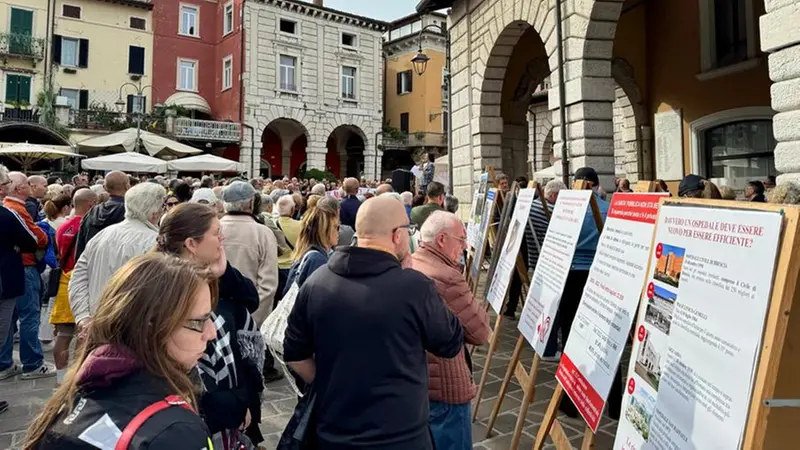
(135,60)
(11,88)
(71,11)
(138,23)
(404,82)
(404,123)
(83,54)
(21,29)
(18,89)
(69,52)
(56,49)
(83,99)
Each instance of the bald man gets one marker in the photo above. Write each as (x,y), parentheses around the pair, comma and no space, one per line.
(371,367)
(384,188)
(110,212)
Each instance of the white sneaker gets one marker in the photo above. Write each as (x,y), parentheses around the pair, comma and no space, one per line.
(11,372)
(554,358)
(46,370)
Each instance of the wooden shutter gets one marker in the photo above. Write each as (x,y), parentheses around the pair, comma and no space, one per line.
(130,104)
(404,122)
(83,99)
(136,60)
(410,80)
(56,49)
(21,21)
(24,92)
(12,87)
(83,54)
(399,83)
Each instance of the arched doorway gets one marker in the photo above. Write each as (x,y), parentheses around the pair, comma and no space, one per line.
(284,142)
(346,146)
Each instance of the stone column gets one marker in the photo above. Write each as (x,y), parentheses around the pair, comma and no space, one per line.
(286,156)
(370,162)
(315,156)
(780,36)
(250,165)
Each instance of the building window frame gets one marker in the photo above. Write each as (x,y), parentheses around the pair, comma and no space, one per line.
(70,64)
(130,23)
(709,66)
(407,123)
(286,33)
(195,68)
(698,128)
(227,26)
(296,75)
(80,11)
(355,37)
(342,83)
(31,80)
(188,33)
(405,87)
(227,72)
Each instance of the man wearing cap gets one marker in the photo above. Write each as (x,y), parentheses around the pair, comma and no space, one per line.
(576,280)
(251,247)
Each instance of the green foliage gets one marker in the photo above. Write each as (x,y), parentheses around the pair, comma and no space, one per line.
(45,103)
(319,175)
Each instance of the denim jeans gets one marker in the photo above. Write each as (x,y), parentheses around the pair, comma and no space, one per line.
(451,425)
(28,308)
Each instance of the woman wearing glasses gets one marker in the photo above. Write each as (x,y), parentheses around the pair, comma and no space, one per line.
(150,329)
(230,368)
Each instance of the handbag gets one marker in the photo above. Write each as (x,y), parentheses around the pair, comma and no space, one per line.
(274,327)
(299,433)
(55,274)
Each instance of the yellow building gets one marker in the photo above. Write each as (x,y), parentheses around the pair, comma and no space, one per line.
(97,47)
(23,50)
(414,105)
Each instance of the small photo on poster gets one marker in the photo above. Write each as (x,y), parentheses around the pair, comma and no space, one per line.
(669,264)
(512,236)
(649,358)
(659,310)
(639,411)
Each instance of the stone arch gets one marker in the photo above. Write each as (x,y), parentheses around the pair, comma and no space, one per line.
(363,128)
(284,143)
(347,146)
(632,132)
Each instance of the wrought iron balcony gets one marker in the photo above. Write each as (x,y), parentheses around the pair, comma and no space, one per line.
(22,46)
(102,119)
(207,130)
(421,139)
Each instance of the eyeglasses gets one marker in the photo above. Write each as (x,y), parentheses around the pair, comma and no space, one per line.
(411,228)
(197,325)
(6,183)
(462,239)
(171,204)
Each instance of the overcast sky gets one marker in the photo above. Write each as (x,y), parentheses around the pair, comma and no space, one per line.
(377,9)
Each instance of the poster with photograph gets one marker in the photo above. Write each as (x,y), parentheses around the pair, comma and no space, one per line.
(476,211)
(507,263)
(483,228)
(608,304)
(699,329)
(550,274)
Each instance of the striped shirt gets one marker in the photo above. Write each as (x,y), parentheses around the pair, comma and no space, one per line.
(540,223)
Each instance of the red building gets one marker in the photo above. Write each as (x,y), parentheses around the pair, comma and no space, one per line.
(197,66)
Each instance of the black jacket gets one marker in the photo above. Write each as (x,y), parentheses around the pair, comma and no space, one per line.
(34,208)
(110,212)
(367,322)
(15,238)
(172,428)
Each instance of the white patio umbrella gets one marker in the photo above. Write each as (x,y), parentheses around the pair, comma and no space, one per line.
(127,162)
(548,173)
(205,163)
(125,140)
(26,154)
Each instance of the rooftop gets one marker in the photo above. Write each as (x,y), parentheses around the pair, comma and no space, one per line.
(414,16)
(425,6)
(143,4)
(328,13)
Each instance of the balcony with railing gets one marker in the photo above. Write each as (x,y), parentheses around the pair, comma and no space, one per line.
(207,130)
(413,140)
(106,120)
(23,46)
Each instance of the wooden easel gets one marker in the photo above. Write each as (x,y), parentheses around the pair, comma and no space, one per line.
(527,378)
(489,237)
(645,186)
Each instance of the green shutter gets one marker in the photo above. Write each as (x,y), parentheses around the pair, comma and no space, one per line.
(21,28)
(12,84)
(24,89)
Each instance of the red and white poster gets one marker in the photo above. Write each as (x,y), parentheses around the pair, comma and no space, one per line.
(551,272)
(608,304)
(699,330)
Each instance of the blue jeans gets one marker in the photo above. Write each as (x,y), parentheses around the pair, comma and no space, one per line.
(29,310)
(451,426)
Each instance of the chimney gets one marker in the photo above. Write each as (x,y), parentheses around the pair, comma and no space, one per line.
(318,2)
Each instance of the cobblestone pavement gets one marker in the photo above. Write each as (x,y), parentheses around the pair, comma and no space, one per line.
(27,397)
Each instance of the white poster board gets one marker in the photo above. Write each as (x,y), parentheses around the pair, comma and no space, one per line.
(507,262)
(699,329)
(476,211)
(551,273)
(668,131)
(482,230)
(608,304)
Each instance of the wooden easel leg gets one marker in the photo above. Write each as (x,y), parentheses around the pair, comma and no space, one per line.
(549,418)
(588,439)
(504,387)
(492,347)
(530,391)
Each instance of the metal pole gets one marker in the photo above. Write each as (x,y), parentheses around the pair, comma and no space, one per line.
(449,130)
(376,155)
(562,95)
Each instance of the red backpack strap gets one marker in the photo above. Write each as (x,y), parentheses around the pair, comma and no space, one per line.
(136,423)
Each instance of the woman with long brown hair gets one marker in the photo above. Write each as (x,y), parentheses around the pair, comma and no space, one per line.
(230,367)
(151,327)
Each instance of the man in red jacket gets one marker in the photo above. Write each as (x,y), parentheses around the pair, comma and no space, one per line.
(28,304)
(451,387)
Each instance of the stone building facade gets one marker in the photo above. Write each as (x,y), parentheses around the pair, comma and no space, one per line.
(654,90)
(313,89)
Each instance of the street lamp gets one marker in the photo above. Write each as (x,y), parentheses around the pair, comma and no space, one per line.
(420,63)
(120,103)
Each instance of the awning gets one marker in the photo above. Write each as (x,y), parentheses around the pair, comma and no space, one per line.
(127,162)
(548,173)
(189,100)
(205,163)
(125,140)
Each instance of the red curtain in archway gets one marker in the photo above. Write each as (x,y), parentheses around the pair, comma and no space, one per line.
(298,157)
(271,151)
(332,160)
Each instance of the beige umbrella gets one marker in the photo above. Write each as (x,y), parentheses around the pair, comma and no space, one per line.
(126,140)
(26,154)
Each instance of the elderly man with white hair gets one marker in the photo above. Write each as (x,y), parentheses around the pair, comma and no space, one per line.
(450,385)
(408,199)
(291,229)
(113,247)
(318,189)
